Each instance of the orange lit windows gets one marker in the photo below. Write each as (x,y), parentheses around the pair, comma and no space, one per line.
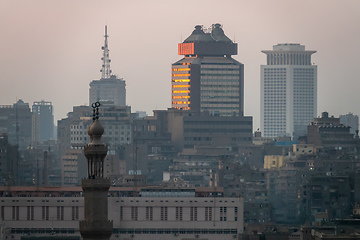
(181,91)
(180,97)
(185,102)
(182,108)
(180,69)
(181,80)
(180,86)
(181,75)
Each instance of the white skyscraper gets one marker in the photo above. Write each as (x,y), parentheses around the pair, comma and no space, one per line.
(288,91)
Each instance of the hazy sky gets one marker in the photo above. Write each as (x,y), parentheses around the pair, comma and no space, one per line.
(51,50)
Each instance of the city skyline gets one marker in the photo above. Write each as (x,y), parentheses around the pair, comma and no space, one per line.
(44,50)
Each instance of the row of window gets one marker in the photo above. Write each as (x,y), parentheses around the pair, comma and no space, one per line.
(218,74)
(45,211)
(105,127)
(220,71)
(149,213)
(223,78)
(174,231)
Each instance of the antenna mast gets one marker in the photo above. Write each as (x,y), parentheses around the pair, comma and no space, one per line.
(105,68)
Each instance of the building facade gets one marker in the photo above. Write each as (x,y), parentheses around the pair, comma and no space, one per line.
(8,161)
(207,78)
(288,91)
(350,120)
(193,129)
(330,134)
(43,121)
(165,215)
(16,122)
(117,121)
(110,89)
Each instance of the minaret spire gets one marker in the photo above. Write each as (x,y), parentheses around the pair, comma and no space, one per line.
(105,68)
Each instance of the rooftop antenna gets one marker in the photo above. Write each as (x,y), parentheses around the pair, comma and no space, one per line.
(105,68)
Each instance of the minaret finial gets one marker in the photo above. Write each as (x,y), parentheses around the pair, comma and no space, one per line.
(105,68)
(95,107)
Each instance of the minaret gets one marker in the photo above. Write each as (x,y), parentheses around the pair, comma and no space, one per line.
(95,187)
(105,68)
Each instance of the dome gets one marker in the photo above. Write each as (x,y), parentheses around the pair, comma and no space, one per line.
(95,132)
(198,35)
(96,129)
(217,33)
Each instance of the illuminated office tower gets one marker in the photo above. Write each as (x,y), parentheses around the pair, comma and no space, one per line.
(109,89)
(288,91)
(208,78)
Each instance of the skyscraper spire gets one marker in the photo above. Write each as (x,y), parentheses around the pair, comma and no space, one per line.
(105,68)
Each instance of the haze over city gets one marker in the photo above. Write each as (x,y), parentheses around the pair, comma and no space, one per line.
(51,49)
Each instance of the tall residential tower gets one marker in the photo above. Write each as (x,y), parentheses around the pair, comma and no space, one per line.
(109,89)
(207,78)
(288,91)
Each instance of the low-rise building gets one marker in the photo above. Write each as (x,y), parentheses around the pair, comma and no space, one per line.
(157,217)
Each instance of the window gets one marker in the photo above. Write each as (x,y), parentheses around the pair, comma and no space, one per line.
(223,211)
(15,213)
(208,213)
(60,213)
(75,213)
(134,213)
(164,213)
(2,213)
(193,213)
(179,214)
(149,213)
(45,213)
(121,213)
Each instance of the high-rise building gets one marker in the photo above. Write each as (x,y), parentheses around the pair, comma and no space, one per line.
(16,122)
(72,135)
(8,164)
(288,91)
(43,121)
(110,88)
(350,120)
(208,78)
